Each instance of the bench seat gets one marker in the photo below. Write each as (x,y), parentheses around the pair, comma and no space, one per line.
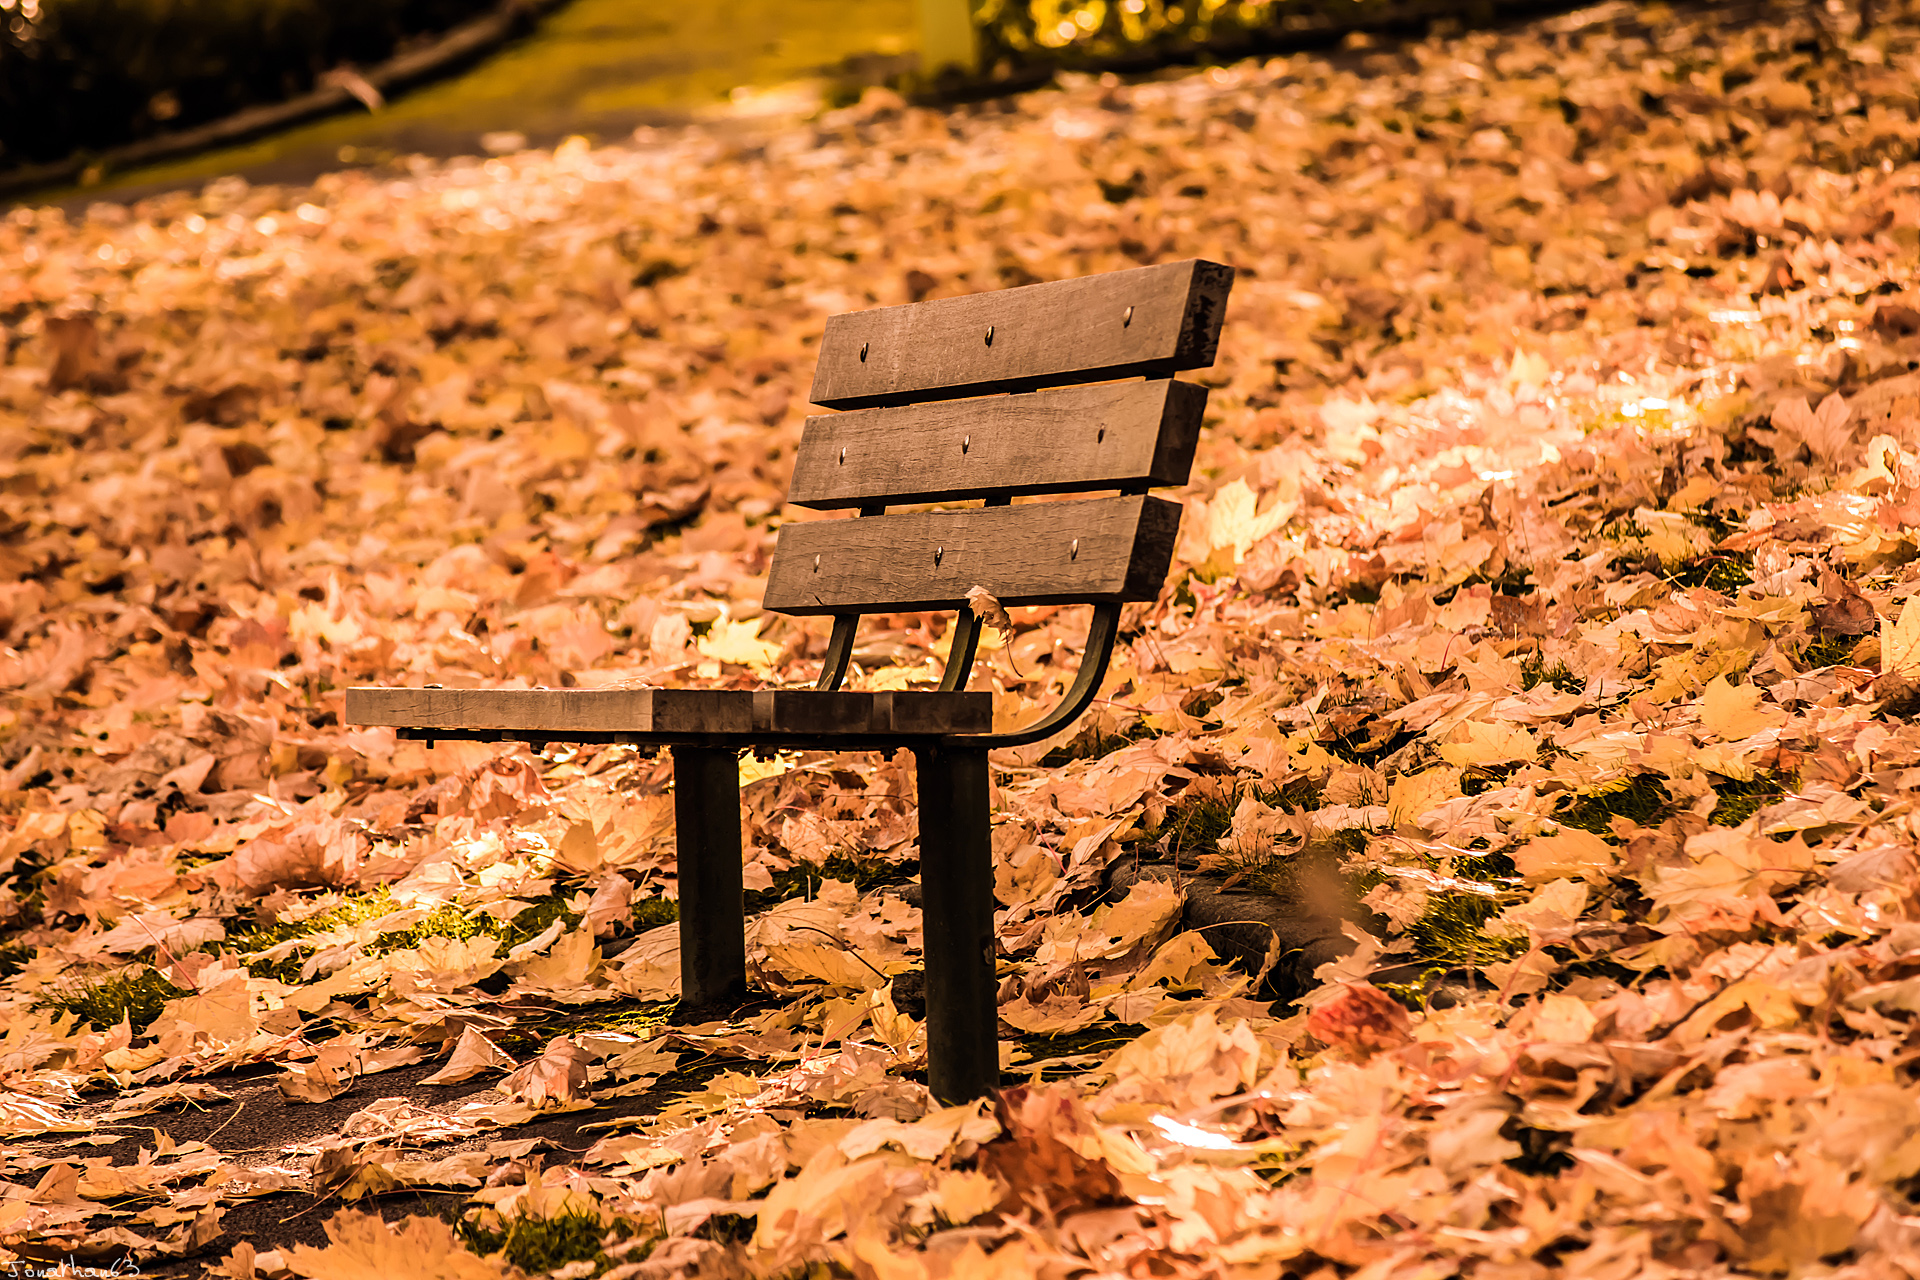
(740,718)
(1016,401)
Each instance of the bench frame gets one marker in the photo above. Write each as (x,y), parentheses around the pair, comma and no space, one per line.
(922,355)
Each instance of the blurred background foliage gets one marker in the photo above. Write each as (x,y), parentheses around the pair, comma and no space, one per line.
(78,77)
(1083,32)
(83,75)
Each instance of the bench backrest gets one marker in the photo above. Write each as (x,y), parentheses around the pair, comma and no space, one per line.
(922,423)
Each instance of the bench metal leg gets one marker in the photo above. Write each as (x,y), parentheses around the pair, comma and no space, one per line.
(706,813)
(956,881)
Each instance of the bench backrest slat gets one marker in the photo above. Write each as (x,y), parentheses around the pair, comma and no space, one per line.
(1103,550)
(1127,435)
(1152,322)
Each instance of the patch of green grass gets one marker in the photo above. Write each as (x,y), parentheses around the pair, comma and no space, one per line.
(1641,799)
(631,1017)
(1828,651)
(1626,529)
(1452,933)
(539,1245)
(1194,825)
(651,913)
(1092,744)
(1480,779)
(446,921)
(803,879)
(1741,798)
(136,995)
(1534,671)
(13,958)
(1722,573)
(1100,1038)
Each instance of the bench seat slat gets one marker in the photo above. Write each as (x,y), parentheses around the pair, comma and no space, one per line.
(665,715)
(1105,550)
(1067,440)
(1066,331)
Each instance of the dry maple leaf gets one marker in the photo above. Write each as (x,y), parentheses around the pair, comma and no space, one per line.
(1361,1020)
(558,1075)
(360,1246)
(472,1054)
(1824,430)
(1050,1157)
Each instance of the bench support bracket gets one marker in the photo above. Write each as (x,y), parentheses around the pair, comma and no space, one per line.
(956,881)
(706,814)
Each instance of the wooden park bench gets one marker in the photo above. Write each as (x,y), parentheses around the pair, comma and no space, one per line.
(926,419)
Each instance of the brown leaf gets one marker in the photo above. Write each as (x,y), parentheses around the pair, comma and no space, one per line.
(1843,611)
(1050,1157)
(1362,1020)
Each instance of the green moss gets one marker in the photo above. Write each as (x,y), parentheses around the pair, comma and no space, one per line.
(1641,799)
(654,912)
(136,995)
(1741,798)
(1451,934)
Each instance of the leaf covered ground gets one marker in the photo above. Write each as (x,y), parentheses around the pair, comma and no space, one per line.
(1546,586)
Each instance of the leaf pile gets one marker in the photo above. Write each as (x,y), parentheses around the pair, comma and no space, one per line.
(1548,580)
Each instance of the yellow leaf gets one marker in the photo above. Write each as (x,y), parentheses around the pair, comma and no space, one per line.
(1562,1019)
(1414,794)
(473,1053)
(362,1247)
(1149,907)
(963,1195)
(1233,522)
(1054,1016)
(1900,641)
(1731,712)
(1478,742)
(1568,852)
(822,962)
(739,643)
(1546,916)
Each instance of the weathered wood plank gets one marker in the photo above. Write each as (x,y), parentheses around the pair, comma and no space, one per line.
(1067,440)
(1152,321)
(1105,549)
(664,715)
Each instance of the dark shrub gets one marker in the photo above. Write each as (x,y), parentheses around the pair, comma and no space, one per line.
(84,75)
